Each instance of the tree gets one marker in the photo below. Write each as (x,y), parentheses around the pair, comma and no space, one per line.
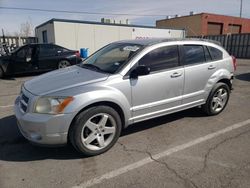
(26,29)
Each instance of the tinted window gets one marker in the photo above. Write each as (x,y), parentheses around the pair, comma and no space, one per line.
(215,53)
(161,58)
(207,54)
(61,49)
(193,54)
(47,50)
(22,52)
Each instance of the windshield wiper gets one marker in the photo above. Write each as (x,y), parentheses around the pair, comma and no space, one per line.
(93,67)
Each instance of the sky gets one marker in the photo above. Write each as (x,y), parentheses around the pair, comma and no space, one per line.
(140,12)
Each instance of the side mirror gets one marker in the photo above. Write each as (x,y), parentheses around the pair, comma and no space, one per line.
(140,71)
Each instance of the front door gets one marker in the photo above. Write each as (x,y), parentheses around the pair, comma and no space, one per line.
(23,60)
(159,92)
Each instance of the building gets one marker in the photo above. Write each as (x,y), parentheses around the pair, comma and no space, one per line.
(74,34)
(207,24)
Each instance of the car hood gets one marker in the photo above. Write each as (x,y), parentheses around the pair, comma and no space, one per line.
(63,79)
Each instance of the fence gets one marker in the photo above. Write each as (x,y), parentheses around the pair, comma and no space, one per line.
(18,41)
(237,45)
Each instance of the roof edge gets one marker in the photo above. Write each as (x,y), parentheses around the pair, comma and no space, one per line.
(100,23)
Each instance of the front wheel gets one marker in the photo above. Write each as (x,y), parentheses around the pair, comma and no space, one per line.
(63,64)
(217,99)
(95,130)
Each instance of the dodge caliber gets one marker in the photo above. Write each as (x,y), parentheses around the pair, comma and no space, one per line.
(89,104)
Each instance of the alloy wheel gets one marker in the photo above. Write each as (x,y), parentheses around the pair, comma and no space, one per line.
(219,99)
(98,131)
(63,64)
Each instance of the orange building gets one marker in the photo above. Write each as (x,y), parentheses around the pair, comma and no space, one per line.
(207,24)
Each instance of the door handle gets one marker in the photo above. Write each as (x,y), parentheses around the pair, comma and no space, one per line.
(176,74)
(210,67)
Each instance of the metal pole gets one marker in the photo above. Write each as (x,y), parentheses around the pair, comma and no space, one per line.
(241,8)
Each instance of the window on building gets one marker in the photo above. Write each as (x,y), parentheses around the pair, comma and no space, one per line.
(234,29)
(45,37)
(193,54)
(161,58)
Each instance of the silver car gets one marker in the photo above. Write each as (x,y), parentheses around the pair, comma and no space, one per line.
(123,83)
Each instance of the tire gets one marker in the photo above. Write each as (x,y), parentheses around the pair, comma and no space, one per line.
(95,130)
(217,99)
(63,64)
(1,73)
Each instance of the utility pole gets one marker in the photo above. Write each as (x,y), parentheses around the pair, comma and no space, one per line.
(241,8)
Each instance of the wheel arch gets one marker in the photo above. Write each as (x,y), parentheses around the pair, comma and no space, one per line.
(226,81)
(102,103)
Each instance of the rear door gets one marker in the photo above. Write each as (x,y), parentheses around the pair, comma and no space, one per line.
(198,67)
(161,91)
(48,57)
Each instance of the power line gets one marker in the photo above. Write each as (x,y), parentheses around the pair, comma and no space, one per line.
(79,12)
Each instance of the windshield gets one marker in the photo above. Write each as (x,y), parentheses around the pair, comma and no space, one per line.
(112,57)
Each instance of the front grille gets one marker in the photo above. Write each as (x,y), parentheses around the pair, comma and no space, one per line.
(24,100)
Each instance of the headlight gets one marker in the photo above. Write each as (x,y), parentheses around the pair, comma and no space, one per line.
(52,105)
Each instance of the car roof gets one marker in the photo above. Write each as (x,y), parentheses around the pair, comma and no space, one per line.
(152,41)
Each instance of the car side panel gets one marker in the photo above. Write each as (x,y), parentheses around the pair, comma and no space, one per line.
(156,93)
(196,77)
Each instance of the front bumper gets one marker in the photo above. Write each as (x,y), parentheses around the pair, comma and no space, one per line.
(43,128)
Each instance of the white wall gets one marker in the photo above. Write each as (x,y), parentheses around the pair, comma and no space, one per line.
(93,36)
(144,33)
(50,33)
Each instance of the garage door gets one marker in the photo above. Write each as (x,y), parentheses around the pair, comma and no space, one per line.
(214,28)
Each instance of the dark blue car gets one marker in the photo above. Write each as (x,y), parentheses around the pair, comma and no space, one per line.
(32,58)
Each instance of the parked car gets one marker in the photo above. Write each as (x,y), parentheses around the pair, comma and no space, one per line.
(121,84)
(37,58)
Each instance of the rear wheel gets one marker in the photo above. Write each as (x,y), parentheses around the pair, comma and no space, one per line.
(64,63)
(95,130)
(217,99)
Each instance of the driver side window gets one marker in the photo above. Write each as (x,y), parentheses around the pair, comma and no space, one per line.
(21,54)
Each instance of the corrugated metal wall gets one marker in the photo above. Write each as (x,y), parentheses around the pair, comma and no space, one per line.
(237,45)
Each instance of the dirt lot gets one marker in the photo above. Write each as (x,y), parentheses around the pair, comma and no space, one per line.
(185,149)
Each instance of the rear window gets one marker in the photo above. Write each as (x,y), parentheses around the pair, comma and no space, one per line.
(216,54)
(193,54)
(207,54)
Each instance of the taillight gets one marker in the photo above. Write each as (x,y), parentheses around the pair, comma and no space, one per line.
(77,54)
(234,63)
